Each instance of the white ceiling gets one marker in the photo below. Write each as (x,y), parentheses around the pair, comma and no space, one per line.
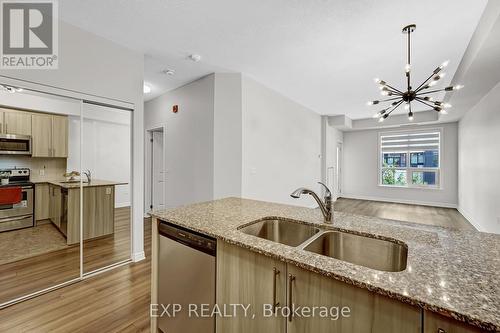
(322,54)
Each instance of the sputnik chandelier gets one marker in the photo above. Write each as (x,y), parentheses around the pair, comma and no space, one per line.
(409,95)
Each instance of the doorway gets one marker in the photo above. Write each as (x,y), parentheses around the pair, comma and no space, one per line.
(156,179)
(338,171)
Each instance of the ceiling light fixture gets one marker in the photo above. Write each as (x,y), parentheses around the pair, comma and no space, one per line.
(195,57)
(409,94)
(146,89)
(169,72)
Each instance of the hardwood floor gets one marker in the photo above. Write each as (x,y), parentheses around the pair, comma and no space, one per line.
(42,271)
(443,217)
(115,301)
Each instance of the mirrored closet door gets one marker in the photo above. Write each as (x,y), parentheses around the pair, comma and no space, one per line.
(38,164)
(106,201)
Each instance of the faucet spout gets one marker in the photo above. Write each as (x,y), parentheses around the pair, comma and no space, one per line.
(325,206)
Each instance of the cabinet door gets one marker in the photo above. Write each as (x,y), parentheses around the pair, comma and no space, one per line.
(245,277)
(57,206)
(42,135)
(17,122)
(42,202)
(435,323)
(59,136)
(368,312)
(1,122)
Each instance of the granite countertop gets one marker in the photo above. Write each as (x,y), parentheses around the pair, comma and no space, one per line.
(93,183)
(454,273)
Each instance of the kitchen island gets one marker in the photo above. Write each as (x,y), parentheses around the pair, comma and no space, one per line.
(59,201)
(449,282)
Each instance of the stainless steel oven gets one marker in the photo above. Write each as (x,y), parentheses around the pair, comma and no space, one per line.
(18,215)
(11,144)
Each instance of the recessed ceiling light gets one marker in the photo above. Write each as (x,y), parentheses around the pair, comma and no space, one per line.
(195,57)
(146,89)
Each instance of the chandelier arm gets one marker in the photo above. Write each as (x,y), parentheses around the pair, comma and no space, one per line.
(427,80)
(425,103)
(394,89)
(395,107)
(389,99)
(430,92)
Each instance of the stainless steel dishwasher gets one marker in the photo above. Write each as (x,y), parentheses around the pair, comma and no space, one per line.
(186,275)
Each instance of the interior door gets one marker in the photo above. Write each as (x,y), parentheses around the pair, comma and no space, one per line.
(158,175)
(338,171)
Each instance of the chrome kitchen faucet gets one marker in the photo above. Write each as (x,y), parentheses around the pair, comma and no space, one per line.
(326,206)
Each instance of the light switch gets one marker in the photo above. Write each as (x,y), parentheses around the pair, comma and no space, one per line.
(108,190)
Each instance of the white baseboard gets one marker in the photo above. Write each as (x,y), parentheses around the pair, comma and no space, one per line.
(403,201)
(469,218)
(138,256)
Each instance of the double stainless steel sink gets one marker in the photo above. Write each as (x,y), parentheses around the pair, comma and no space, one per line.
(371,252)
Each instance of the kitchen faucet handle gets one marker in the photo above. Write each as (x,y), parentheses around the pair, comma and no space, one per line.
(328,193)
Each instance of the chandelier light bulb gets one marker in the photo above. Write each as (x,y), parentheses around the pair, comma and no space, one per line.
(407,68)
(410,116)
(446,105)
(443,111)
(372,102)
(432,83)
(377,80)
(458,87)
(407,106)
(381,119)
(444,64)
(377,115)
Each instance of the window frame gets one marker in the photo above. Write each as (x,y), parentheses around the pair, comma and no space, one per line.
(409,169)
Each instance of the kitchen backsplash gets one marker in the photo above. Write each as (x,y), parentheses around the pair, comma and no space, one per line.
(41,168)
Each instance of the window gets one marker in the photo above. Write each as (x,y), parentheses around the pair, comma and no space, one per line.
(410,159)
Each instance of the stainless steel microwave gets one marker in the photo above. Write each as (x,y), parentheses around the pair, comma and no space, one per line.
(11,144)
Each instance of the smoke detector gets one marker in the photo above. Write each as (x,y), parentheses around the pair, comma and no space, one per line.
(169,72)
(195,57)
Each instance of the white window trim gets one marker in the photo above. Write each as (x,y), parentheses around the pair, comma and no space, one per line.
(410,170)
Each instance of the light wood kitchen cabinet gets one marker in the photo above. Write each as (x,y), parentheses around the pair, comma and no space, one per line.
(42,202)
(369,312)
(98,212)
(59,136)
(42,135)
(16,122)
(55,205)
(1,122)
(435,323)
(49,135)
(244,277)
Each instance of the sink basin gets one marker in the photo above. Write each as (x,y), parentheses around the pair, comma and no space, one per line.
(281,231)
(382,255)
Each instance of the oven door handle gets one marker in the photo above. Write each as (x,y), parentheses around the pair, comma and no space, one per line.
(17,218)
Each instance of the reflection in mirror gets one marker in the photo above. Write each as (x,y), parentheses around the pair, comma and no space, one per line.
(34,151)
(106,158)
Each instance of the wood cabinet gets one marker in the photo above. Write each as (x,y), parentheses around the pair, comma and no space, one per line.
(59,136)
(55,205)
(1,122)
(364,311)
(435,323)
(244,277)
(98,212)
(49,135)
(16,122)
(42,135)
(42,202)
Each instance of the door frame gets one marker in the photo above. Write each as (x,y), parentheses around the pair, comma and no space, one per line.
(148,167)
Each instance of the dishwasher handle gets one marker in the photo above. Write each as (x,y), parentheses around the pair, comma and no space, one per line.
(188,237)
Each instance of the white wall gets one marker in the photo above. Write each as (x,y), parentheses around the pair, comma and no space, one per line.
(281,146)
(479,163)
(227,135)
(94,66)
(360,170)
(106,147)
(189,140)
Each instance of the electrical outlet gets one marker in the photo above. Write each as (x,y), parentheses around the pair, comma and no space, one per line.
(108,190)
(42,172)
